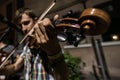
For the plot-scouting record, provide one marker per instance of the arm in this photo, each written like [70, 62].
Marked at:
[53, 50]
[12, 68]
[61, 71]
[46, 38]
[60, 68]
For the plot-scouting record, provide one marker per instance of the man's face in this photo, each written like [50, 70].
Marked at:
[26, 23]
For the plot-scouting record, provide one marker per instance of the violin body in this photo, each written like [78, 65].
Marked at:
[3, 56]
[4, 53]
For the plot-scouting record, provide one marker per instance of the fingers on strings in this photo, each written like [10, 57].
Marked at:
[40, 33]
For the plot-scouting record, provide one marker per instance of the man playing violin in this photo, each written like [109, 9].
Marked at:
[41, 56]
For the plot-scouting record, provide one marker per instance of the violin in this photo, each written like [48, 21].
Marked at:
[3, 56]
[4, 52]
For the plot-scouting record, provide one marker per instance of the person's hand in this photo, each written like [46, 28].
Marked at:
[45, 36]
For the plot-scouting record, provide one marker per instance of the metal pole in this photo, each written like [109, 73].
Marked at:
[101, 62]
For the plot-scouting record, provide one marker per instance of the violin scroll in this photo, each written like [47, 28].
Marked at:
[94, 21]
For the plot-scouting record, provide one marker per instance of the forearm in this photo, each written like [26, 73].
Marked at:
[6, 70]
[59, 66]
[61, 71]
[12, 68]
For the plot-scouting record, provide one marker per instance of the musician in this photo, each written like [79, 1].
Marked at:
[41, 54]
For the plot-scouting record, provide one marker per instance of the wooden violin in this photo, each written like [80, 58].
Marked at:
[4, 52]
[3, 56]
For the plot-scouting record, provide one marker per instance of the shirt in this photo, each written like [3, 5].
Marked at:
[33, 66]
